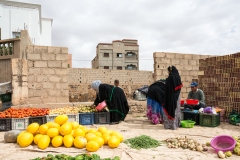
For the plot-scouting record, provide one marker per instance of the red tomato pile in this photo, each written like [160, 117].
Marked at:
[24, 112]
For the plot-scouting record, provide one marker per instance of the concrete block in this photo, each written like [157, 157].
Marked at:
[48, 56]
[61, 85]
[35, 100]
[65, 78]
[34, 56]
[30, 49]
[195, 67]
[183, 62]
[42, 78]
[30, 64]
[53, 78]
[62, 99]
[31, 78]
[64, 64]
[64, 50]
[196, 57]
[61, 71]
[166, 60]
[189, 78]
[175, 61]
[188, 68]
[34, 71]
[40, 49]
[192, 62]
[33, 85]
[25, 79]
[204, 56]
[62, 57]
[50, 99]
[188, 89]
[65, 93]
[48, 71]
[159, 54]
[41, 64]
[55, 64]
[54, 93]
[40, 93]
[159, 72]
[179, 56]
[170, 55]
[179, 67]
[187, 56]
[184, 95]
[30, 93]
[55, 50]
[47, 85]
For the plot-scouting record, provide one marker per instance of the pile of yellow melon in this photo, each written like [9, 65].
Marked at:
[61, 132]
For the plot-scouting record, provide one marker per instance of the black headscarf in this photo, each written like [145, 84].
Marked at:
[156, 91]
[172, 91]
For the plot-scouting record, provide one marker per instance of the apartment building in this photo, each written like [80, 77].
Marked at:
[118, 55]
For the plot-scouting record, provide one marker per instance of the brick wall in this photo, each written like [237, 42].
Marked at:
[47, 74]
[187, 65]
[220, 80]
[80, 80]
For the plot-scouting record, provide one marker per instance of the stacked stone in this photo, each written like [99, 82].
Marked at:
[220, 80]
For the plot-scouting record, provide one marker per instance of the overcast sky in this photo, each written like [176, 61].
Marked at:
[182, 26]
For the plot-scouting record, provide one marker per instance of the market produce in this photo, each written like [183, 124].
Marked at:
[69, 134]
[11, 136]
[237, 146]
[86, 109]
[142, 141]
[185, 142]
[77, 157]
[24, 112]
[221, 154]
[65, 110]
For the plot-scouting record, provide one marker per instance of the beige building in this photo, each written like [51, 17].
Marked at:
[118, 55]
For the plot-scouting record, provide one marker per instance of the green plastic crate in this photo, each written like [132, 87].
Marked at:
[209, 120]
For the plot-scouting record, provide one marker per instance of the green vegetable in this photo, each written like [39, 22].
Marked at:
[142, 141]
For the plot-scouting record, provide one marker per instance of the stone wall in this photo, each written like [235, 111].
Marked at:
[47, 74]
[6, 70]
[187, 65]
[80, 80]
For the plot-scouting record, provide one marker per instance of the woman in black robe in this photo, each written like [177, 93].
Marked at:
[171, 107]
[155, 100]
[115, 99]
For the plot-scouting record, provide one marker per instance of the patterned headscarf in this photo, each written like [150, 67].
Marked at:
[95, 85]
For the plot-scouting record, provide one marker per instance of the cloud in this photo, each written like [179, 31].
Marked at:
[190, 26]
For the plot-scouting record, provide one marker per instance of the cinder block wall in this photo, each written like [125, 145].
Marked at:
[47, 74]
[220, 81]
[80, 81]
[187, 65]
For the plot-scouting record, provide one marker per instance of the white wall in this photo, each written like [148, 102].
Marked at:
[15, 19]
[46, 36]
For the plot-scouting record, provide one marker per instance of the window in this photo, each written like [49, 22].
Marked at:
[106, 55]
[119, 55]
[129, 54]
[106, 67]
[15, 34]
[119, 67]
[129, 66]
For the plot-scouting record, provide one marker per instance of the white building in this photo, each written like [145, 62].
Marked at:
[17, 16]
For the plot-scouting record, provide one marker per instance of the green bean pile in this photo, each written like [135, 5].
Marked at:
[142, 141]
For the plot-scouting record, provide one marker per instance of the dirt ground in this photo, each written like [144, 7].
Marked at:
[134, 125]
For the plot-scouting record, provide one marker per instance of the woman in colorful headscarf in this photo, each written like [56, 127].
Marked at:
[172, 111]
[115, 99]
[155, 100]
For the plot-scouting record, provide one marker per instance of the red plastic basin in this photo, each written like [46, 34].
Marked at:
[223, 143]
[192, 101]
[101, 106]
[182, 102]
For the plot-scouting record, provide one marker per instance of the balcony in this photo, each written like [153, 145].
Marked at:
[131, 56]
[9, 48]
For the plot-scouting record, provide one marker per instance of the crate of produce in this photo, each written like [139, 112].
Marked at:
[86, 118]
[209, 120]
[51, 117]
[73, 117]
[5, 124]
[20, 123]
[191, 115]
[101, 117]
[39, 119]
[6, 97]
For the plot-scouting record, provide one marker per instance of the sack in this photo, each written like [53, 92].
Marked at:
[234, 117]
